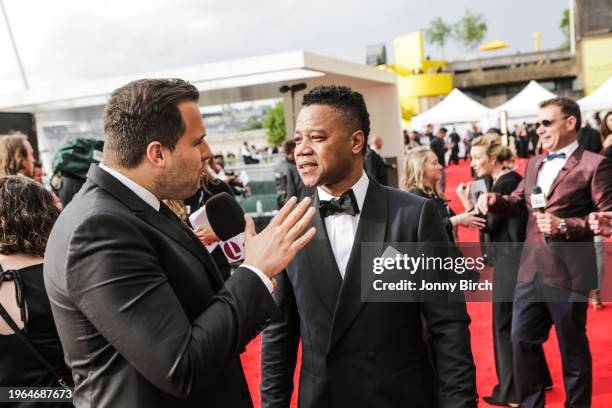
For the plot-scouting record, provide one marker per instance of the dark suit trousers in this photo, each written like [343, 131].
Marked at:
[531, 323]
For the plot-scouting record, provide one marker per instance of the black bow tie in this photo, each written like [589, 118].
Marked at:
[552, 156]
[347, 203]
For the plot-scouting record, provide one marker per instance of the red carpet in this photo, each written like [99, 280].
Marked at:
[482, 342]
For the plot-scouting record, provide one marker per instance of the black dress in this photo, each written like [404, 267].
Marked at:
[19, 367]
[445, 211]
[197, 201]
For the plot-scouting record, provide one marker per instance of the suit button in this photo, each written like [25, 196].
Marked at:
[371, 355]
[245, 390]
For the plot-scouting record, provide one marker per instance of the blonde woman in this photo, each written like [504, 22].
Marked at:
[422, 176]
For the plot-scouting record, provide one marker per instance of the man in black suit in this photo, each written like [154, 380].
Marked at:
[455, 139]
[144, 316]
[358, 354]
[288, 181]
[373, 163]
[439, 148]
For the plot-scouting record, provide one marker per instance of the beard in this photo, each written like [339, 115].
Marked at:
[178, 183]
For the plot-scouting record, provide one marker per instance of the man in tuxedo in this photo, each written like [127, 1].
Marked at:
[557, 267]
[373, 163]
[358, 354]
[144, 316]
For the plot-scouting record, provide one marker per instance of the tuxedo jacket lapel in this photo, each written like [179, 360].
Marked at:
[571, 162]
[319, 255]
[162, 223]
[372, 229]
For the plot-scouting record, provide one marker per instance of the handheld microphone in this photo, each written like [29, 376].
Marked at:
[226, 219]
[538, 202]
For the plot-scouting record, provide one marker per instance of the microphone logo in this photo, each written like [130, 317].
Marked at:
[232, 250]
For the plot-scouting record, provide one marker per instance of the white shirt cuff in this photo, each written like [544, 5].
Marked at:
[264, 278]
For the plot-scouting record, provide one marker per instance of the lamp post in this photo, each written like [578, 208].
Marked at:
[293, 89]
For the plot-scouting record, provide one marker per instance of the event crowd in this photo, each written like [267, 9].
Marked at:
[38, 349]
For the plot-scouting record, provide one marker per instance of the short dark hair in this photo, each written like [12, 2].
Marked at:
[568, 107]
[443, 130]
[141, 112]
[345, 101]
[27, 214]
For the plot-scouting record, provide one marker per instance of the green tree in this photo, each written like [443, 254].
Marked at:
[275, 124]
[438, 32]
[470, 30]
[254, 125]
[564, 26]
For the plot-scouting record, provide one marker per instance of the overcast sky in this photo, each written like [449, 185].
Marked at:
[69, 40]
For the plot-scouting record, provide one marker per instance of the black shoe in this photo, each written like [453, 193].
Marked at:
[492, 401]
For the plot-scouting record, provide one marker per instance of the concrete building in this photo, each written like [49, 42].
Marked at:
[76, 108]
[573, 72]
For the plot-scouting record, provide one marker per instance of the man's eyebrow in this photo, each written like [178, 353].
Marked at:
[311, 130]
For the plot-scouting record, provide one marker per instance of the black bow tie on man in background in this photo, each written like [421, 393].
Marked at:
[347, 204]
[553, 156]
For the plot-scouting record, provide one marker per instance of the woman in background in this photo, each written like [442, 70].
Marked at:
[209, 187]
[606, 134]
[422, 177]
[605, 131]
[490, 158]
[27, 214]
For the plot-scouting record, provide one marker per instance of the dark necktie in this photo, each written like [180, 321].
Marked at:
[346, 204]
[167, 212]
[553, 156]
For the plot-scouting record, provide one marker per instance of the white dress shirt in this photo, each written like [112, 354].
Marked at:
[149, 198]
[551, 168]
[341, 228]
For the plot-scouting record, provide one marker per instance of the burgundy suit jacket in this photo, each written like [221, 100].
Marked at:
[583, 185]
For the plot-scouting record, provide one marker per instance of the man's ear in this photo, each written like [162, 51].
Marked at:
[571, 123]
[358, 141]
[156, 154]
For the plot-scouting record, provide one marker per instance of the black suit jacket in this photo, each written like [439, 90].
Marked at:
[142, 312]
[357, 354]
[375, 166]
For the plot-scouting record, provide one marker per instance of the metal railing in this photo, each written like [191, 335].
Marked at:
[509, 60]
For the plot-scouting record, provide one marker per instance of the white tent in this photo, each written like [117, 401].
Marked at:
[455, 108]
[600, 99]
[524, 105]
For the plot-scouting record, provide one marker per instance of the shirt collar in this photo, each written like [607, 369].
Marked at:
[360, 188]
[569, 149]
[147, 196]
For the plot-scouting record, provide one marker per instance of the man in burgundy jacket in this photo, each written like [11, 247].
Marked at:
[558, 261]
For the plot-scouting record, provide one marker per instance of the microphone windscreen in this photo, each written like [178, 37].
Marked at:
[225, 216]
